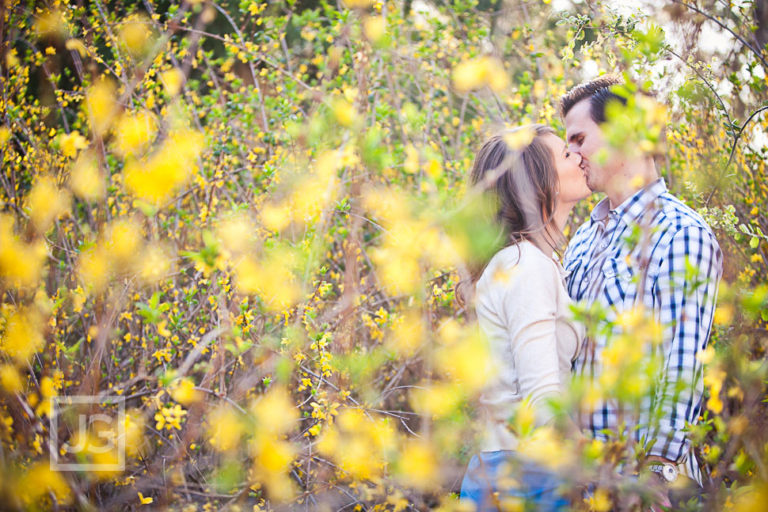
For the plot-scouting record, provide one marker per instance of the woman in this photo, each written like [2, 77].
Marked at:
[522, 304]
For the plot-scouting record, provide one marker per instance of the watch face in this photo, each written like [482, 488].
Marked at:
[669, 472]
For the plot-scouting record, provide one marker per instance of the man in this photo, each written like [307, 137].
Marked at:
[609, 264]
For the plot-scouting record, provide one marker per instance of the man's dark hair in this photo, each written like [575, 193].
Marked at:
[598, 91]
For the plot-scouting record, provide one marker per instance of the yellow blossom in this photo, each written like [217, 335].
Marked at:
[478, 72]
[172, 79]
[51, 22]
[76, 45]
[344, 112]
[275, 412]
[123, 239]
[10, 379]
[158, 177]
[155, 263]
[5, 135]
[23, 336]
[184, 392]
[71, 143]
[38, 481]
[86, 179]
[271, 279]
[94, 268]
[134, 132]
[135, 35]
[374, 28]
[101, 105]
[418, 465]
[519, 138]
[357, 4]
[224, 428]
[134, 424]
[169, 417]
[21, 264]
[46, 203]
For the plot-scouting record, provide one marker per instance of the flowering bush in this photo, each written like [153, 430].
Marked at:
[243, 224]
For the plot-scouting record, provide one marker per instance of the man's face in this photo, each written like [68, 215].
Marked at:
[585, 138]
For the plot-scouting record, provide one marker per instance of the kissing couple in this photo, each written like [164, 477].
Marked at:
[522, 297]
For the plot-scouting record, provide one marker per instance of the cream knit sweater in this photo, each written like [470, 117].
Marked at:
[522, 308]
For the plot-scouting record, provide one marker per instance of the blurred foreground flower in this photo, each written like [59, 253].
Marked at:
[478, 72]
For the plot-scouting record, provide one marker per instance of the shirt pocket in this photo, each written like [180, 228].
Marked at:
[620, 282]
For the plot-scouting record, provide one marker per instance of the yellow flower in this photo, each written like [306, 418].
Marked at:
[5, 135]
[519, 138]
[172, 79]
[407, 333]
[51, 23]
[86, 179]
[134, 432]
[21, 264]
[94, 268]
[275, 412]
[478, 72]
[271, 461]
[418, 464]
[145, 501]
[344, 112]
[169, 417]
[436, 400]
[135, 35]
[47, 391]
[77, 45]
[134, 132]
[101, 105]
[713, 378]
[374, 28]
[411, 164]
[23, 336]
[155, 263]
[272, 279]
[225, 428]
[123, 239]
[46, 203]
[275, 217]
[40, 480]
[10, 379]
[599, 502]
[157, 178]
[235, 232]
[467, 361]
[357, 4]
[184, 392]
[71, 143]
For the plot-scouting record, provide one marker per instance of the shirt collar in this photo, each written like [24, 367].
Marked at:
[632, 207]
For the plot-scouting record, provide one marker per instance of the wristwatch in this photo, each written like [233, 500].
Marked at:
[667, 472]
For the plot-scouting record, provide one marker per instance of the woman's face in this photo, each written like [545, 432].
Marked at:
[573, 183]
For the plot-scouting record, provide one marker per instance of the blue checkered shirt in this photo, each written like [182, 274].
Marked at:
[606, 261]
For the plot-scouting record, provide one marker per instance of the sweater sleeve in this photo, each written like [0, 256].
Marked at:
[529, 305]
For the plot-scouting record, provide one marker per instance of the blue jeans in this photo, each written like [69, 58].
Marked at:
[490, 472]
